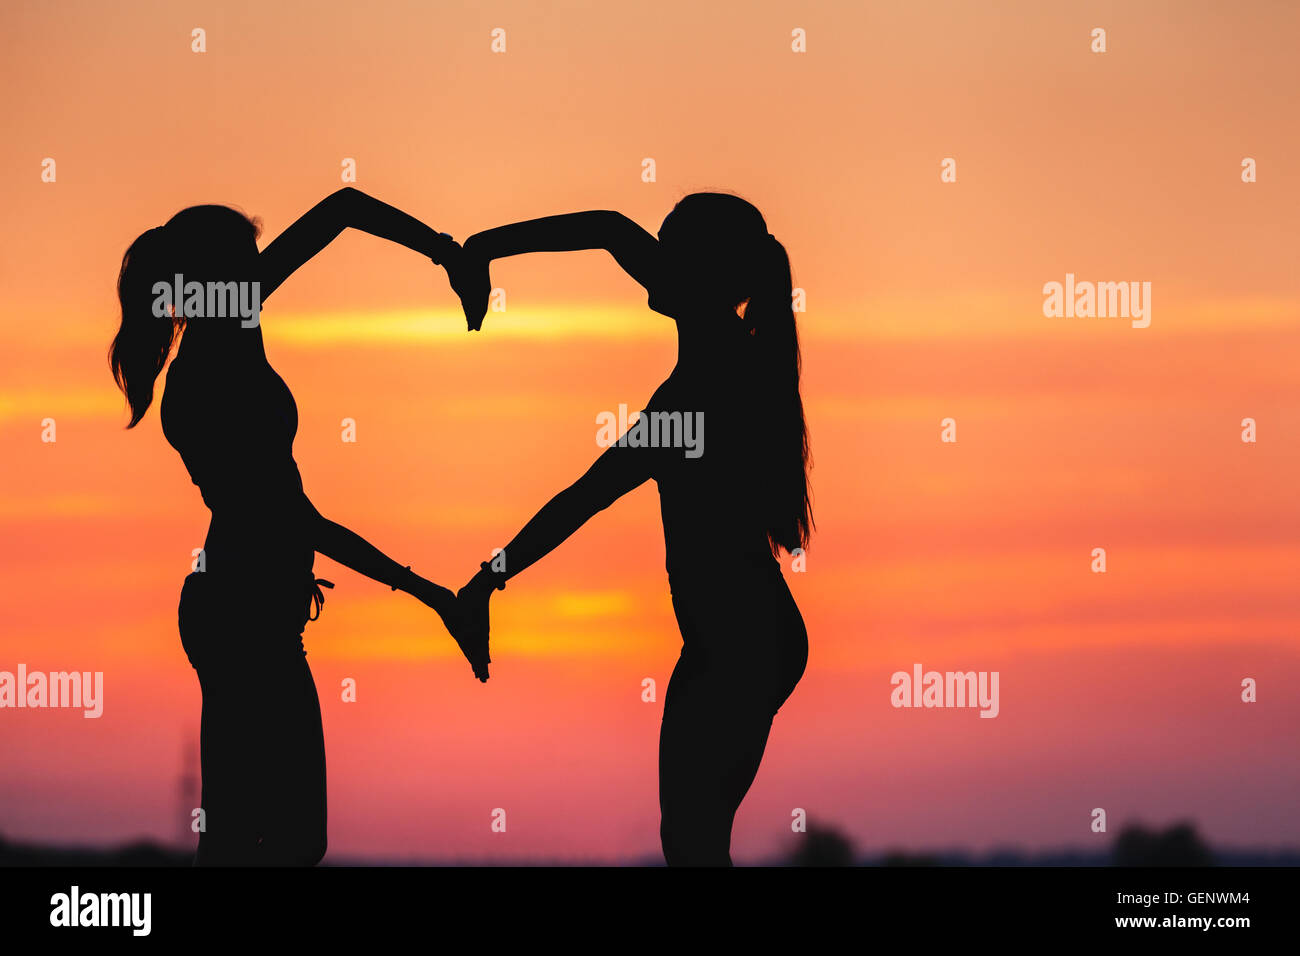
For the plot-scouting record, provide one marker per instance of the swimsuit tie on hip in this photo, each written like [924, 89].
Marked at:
[318, 597]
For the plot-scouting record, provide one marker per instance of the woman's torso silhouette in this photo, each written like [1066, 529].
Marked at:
[235, 434]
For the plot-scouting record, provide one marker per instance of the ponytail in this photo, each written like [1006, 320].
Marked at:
[769, 315]
[144, 340]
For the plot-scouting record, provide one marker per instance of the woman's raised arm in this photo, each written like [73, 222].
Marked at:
[321, 224]
[631, 246]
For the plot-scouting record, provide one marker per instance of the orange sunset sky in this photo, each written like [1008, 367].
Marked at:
[924, 301]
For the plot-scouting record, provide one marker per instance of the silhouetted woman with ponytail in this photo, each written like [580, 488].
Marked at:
[727, 512]
[233, 421]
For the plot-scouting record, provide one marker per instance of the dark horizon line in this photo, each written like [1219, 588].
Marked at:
[147, 852]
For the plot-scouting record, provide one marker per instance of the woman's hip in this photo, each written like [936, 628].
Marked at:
[743, 660]
[755, 616]
[223, 621]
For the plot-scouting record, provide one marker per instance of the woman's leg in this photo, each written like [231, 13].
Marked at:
[229, 800]
[263, 754]
[710, 747]
[718, 714]
[294, 830]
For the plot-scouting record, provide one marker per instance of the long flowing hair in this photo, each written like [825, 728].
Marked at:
[748, 268]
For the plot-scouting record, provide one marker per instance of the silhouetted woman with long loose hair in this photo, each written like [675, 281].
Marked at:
[233, 421]
[727, 513]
